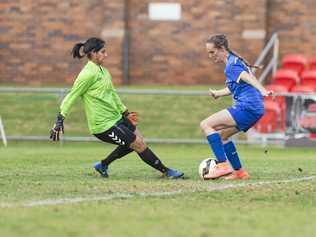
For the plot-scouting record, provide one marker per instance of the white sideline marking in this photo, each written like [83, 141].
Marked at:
[63, 201]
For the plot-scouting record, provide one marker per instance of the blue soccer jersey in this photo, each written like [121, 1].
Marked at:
[245, 95]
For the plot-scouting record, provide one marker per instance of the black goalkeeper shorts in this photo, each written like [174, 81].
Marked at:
[122, 133]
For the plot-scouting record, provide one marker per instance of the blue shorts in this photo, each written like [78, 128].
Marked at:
[244, 118]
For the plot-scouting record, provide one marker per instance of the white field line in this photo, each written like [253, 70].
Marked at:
[212, 188]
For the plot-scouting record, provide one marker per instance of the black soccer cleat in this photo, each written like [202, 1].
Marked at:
[174, 174]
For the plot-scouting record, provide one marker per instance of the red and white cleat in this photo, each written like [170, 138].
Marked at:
[238, 174]
[220, 170]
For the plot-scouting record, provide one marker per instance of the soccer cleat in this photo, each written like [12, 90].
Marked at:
[238, 174]
[102, 169]
[173, 174]
[220, 170]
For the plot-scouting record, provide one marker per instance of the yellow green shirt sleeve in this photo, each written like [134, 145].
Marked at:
[80, 87]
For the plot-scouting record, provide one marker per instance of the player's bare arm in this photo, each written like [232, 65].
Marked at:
[219, 93]
[250, 79]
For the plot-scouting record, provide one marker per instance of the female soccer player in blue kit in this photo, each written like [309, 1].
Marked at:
[248, 108]
[108, 119]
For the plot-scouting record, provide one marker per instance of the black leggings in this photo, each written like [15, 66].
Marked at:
[122, 133]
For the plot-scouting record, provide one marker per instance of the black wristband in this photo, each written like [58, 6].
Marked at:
[60, 117]
[125, 113]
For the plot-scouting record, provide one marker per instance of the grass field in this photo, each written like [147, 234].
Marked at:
[136, 201]
[176, 116]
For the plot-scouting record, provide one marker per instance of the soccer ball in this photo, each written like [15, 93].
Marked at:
[206, 167]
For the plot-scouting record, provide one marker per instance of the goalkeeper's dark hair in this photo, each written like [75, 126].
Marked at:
[91, 45]
[220, 41]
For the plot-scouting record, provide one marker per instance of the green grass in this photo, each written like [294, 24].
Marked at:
[32, 171]
[161, 116]
[35, 171]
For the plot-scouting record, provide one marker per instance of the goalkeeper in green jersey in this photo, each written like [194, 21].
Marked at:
[108, 118]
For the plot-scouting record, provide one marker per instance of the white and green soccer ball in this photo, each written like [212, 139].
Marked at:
[207, 166]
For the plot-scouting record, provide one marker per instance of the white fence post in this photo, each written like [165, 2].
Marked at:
[2, 133]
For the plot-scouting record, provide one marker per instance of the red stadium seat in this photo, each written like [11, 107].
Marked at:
[308, 122]
[303, 89]
[312, 108]
[269, 122]
[308, 78]
[295, 62]
[277, 88]
[265, 124]
[286, 78]
[280, 100]
[312, 63]
[312, 136]
[273, 106]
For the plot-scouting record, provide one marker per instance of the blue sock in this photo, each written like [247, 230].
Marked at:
[216, 144]
[232, 155]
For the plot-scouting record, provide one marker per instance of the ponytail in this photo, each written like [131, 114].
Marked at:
[244, 60]
[76, 50]
[91, 45]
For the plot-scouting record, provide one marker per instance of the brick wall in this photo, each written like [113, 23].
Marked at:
[296, 23]
[173, 52]
[36, 37]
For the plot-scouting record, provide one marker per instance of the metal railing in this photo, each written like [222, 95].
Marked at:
[272, 64]
[294, 110]
[252, 138]
[61, 92]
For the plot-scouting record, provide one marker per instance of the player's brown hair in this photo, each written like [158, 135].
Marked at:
[221, 41]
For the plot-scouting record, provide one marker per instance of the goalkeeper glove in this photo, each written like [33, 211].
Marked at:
[131, 116]
[58, 127]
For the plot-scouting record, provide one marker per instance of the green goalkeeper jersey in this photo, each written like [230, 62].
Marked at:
[102, 104]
